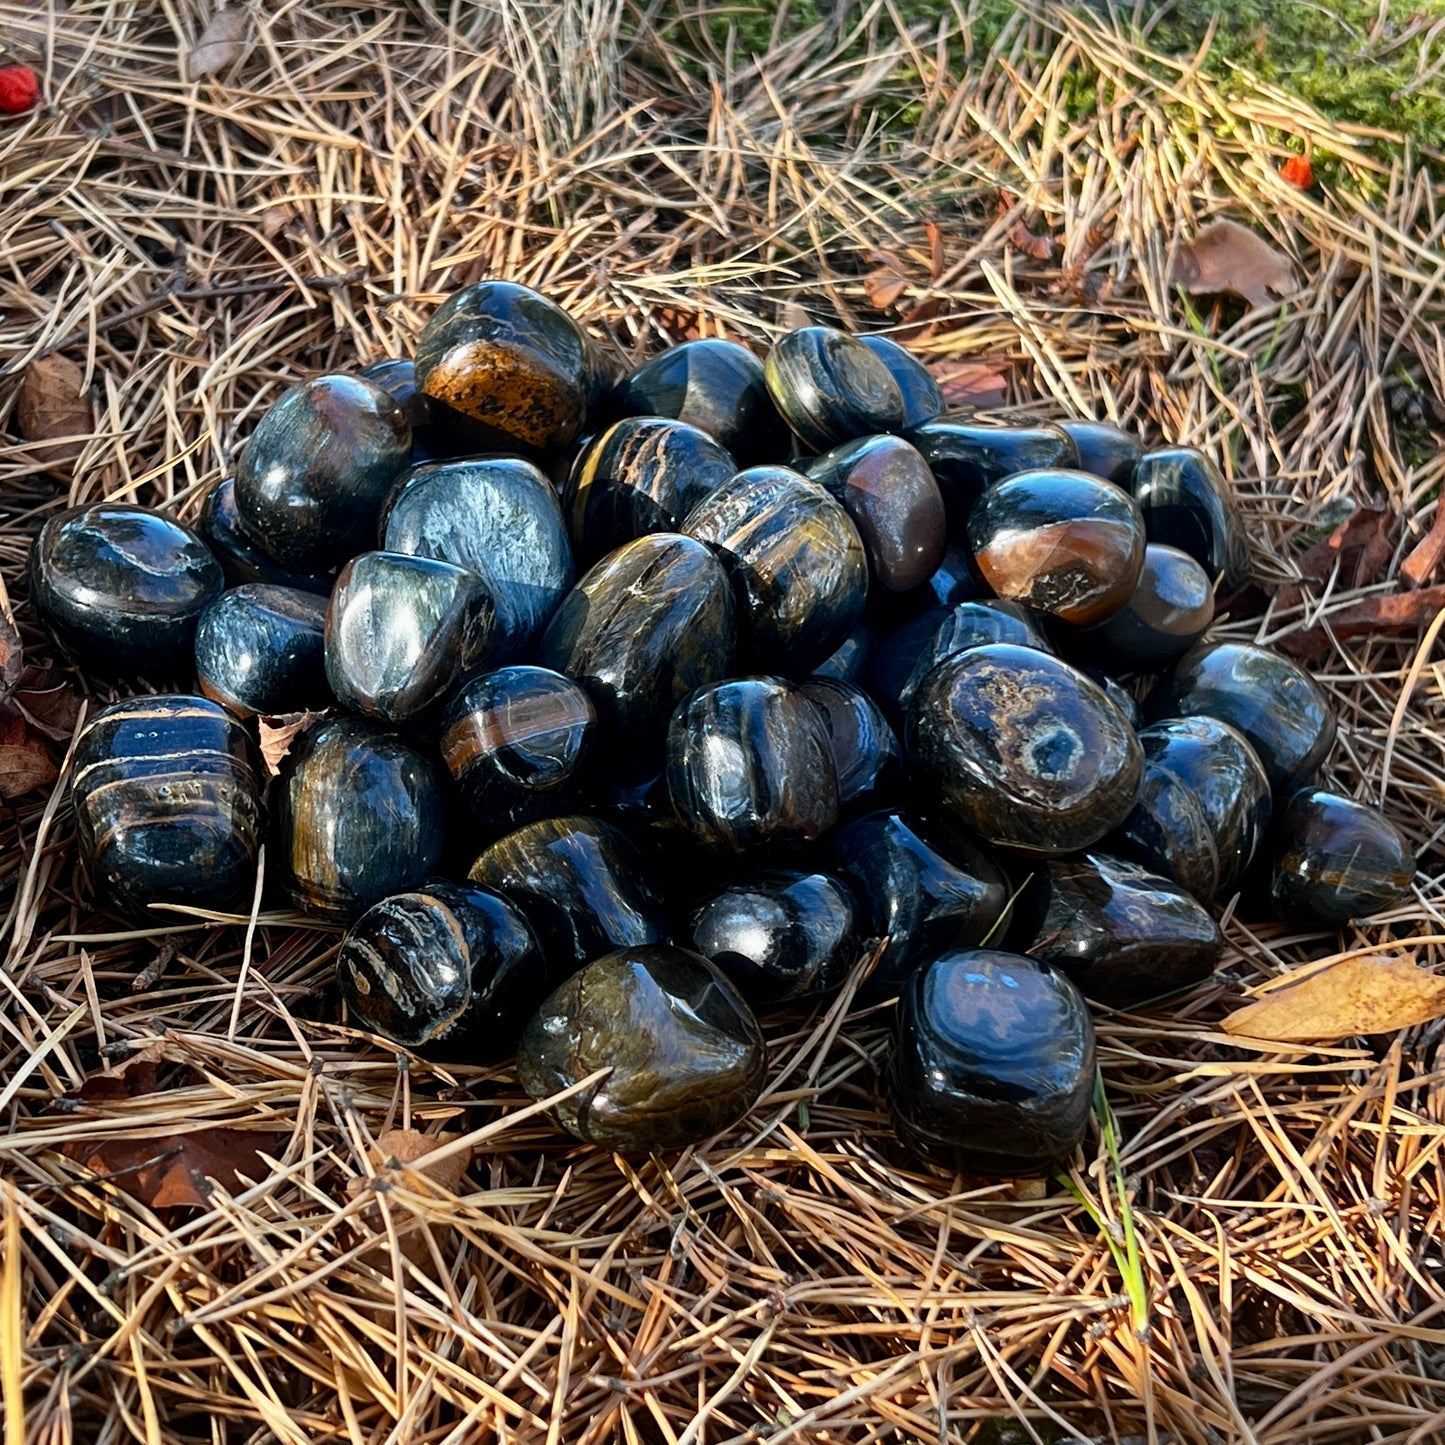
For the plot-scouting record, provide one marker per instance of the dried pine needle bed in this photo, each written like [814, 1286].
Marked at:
[1248, 1247]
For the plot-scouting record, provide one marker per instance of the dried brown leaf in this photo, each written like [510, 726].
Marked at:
[936, 258]
[222, 43]
[177, 1169]
[278, 733]
[1229, 259]
[48, 702]
[25, 761]
[1426, 555]
[1031, 243]
[1387, 612]
[54, 407]
[12, 662]
[1372, 995]
[399, 1156]
[967, 384]
[883, 287]
[1358, 550]
[131, 1079]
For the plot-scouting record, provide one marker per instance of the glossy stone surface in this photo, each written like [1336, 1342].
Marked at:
[749, 766]
[867, 755]
[359, 816]
[1217, 764]
[888, 491]
[401, 631]
[1117, 694]
[1336, 860]
[516, 365]
[582, 885]
[778, 935]
[1169, 610]
[643, 474]
[797, 566]
[121, 588]
[850, 662]
[685, 1054]
[1187, 503]
[966, 457]
[167, 799]
[1122, 934]
[922, 400]
[431, 438]
[993, 1064]
[500, 518]
[240, 558]
[1061, 542]
[829, 387]
[517, 741]
[1024, 749]
[1104, 449]
[260, 649]
[908, 654]
[644, 627]
[1170, 834]
[715, 385]
[452, 970]
[1274, 702]
[924, 884]
[318, 466]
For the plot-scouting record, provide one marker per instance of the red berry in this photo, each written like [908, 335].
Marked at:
[19, 89]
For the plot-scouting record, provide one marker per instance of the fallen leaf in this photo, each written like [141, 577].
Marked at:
[1356, 552]
[12, 663]
[128, 1080]
[1389, 612]
[25, 761]
[934, 232]
[1298, 172]
[1226, 258]
[1426, 555]
[969, 384]
[48, 702]
[54, 407]
[1371, 995]
[1031, 243]
[177, 1168]
[221, 45]
[883, 287]
[792, 317]
[278, 733]
[399, 1156]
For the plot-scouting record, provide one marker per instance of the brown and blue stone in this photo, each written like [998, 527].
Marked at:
[121, 588]
[829, 387]
[167, 799]
[1024, 749]
[1170, 834]
[518, 741]
[644, 627]
[684, 1055]
[992, 1069]
[261, 649]
[866, 752]
[797, 565]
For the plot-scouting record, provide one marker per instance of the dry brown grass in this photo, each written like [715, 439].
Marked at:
[1266, 1266]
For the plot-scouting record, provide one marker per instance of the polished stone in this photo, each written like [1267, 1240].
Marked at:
[922, 400]
[1187, 504]
[829, 387]
[261, 649]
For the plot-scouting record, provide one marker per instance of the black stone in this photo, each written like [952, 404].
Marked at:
[829, 387]
[1024, 749]
[749, 766]
[993, 1065]
[582, 884]
[1187, 504]
[797, 566]
[260, 649]
[121, 588]
[850, 662]
[778, 935]
[401, 631]
[867, 755]
[317, 468]
[1169, 833]
[925, 885]
[167, 799]
[1122, 934]
[966, 457]
[1274, 702]
[648, 624]
[360, 815]
[685, 1055]
[1336, 860]
[242, 559]
[451, 970]
[1104, 449]
[922, 400]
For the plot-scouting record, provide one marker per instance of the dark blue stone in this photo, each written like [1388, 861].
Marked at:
[260, 649]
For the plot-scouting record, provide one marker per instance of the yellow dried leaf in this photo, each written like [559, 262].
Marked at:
[221, 45]
[1226, 258]
[54, 406]
[398, 1156]
[1370, 995]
